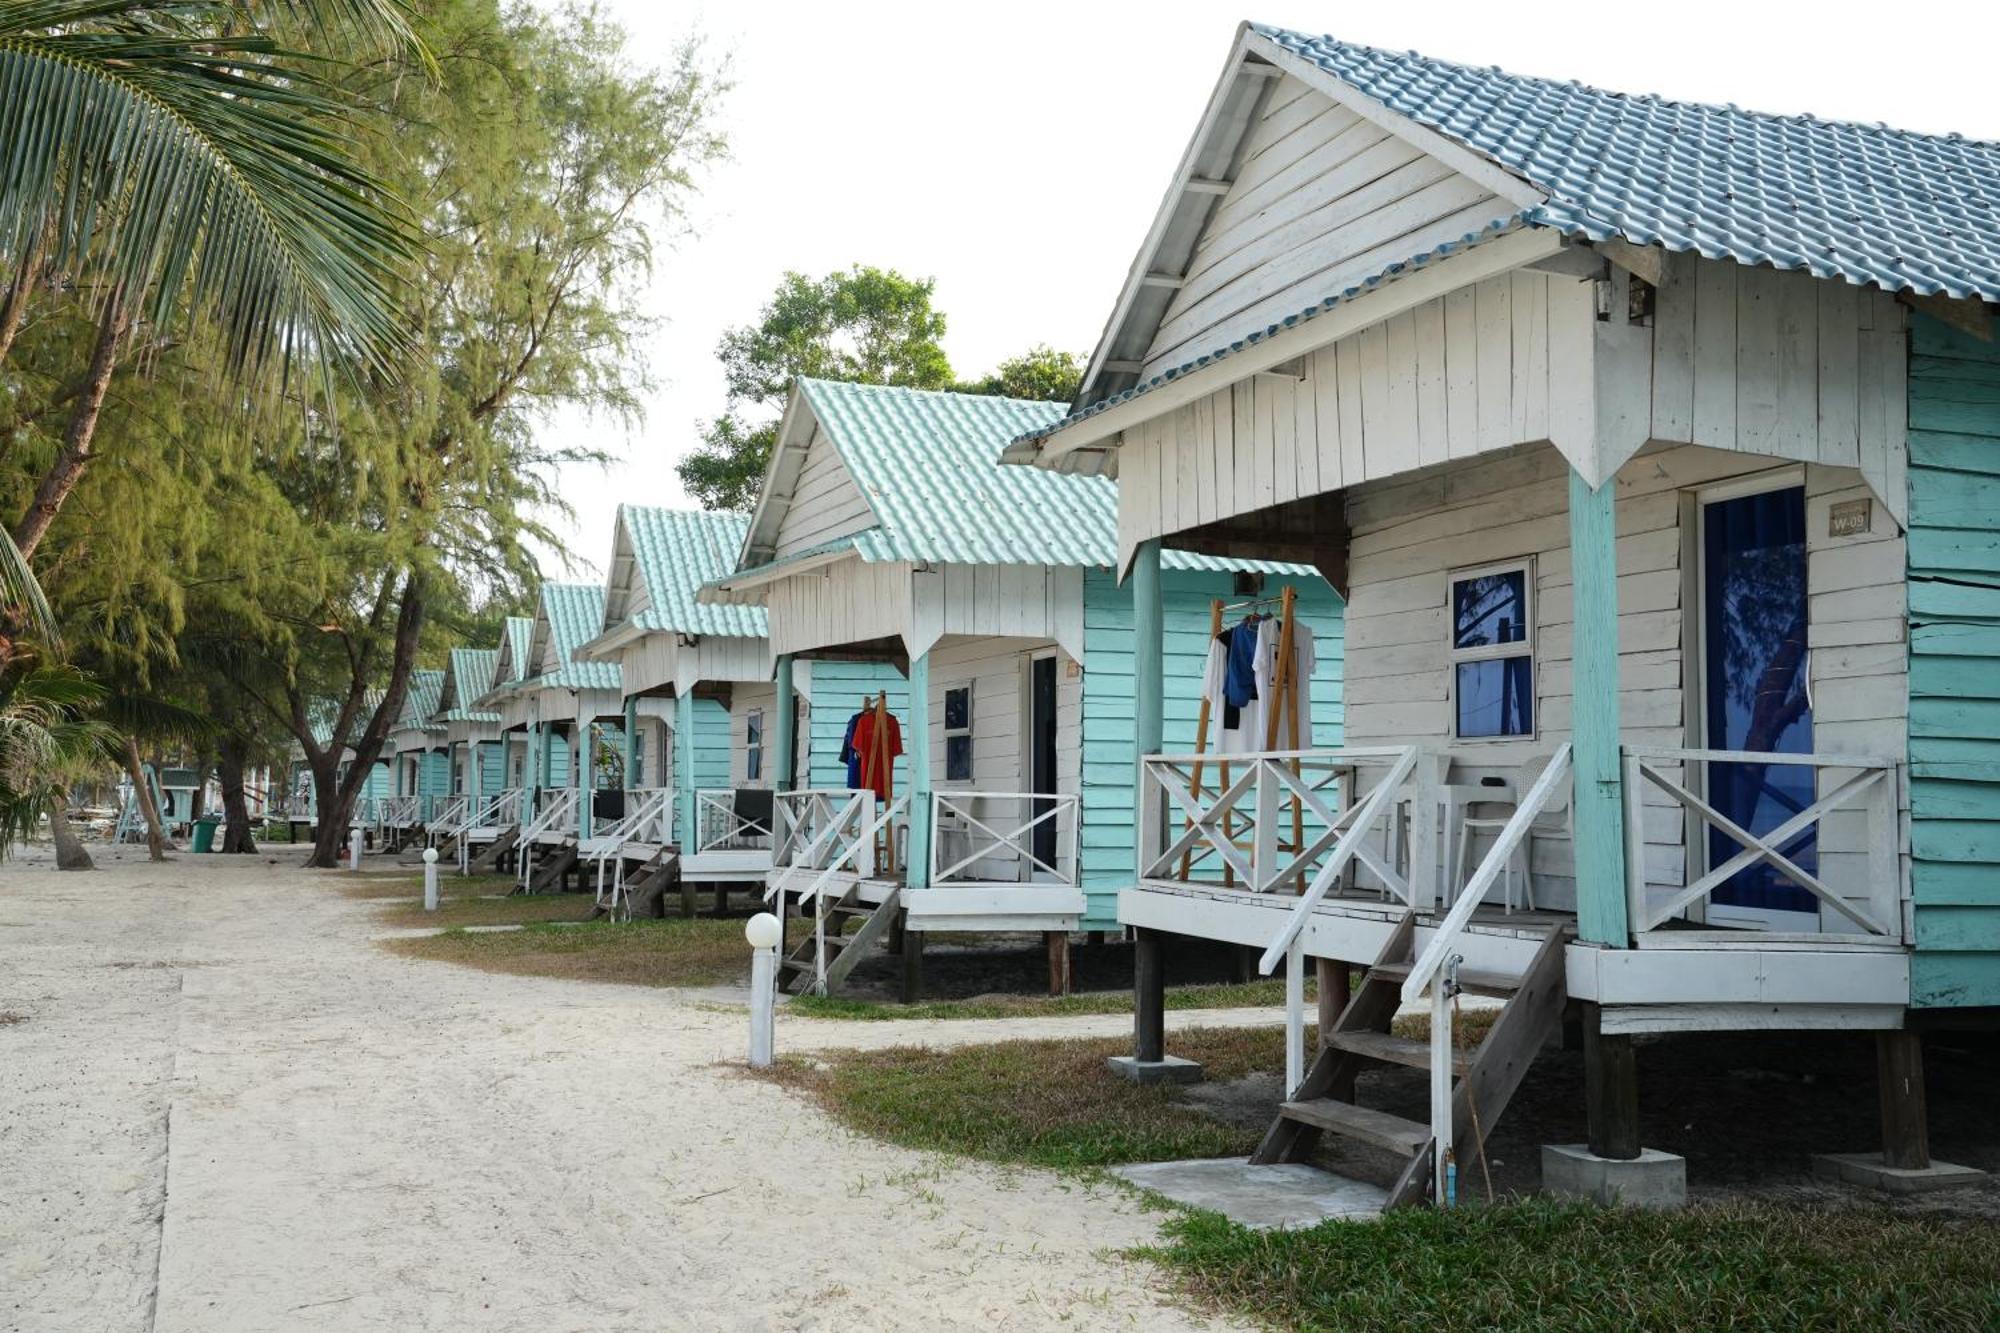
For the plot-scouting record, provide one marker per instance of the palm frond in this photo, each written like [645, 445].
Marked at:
[19, 588]
[188, 165]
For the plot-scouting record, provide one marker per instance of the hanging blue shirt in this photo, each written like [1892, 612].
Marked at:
[851, 756]
[1239, 681]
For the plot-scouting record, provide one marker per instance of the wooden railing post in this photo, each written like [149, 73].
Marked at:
[1602, 882]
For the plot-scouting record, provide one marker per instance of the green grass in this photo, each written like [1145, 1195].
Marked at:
[1045, 1103]
[1245, 996]
[492, 905]
[1535, 1264]
[675, 952]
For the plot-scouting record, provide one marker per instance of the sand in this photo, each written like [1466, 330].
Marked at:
[222, 1107]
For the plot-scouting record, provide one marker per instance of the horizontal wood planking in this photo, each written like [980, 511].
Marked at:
[837, 690]
[1780, 366]
[1954, 599]
[1109, 763]
[825, 502]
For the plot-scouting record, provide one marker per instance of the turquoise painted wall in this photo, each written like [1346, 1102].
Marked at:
[837, 691]
[434, 774]
[493, 762]
[1954, 555]
[381, 780]
[711, 744]
[1109, 764]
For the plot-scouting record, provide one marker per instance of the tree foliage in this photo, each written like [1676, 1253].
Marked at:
[863, 325]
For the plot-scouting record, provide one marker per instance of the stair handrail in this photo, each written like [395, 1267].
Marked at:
[611, 839]
[811, 856]
[558, 802]
[1444, 937]
[865, 838]
[1360, 827]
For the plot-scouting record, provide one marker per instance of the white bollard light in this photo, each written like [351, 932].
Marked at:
[430, 879]
[764, 933]
[354, 836]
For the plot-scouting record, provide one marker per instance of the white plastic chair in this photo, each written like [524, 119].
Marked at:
[1555, 819]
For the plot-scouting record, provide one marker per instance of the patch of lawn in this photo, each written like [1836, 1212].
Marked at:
[481, 908]
[1047, 1103]
[1537, 1264]
[403, 884]
[675, 952]
[1250, 995]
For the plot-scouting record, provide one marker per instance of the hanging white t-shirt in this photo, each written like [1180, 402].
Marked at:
[1247, 736]
[1264, 668]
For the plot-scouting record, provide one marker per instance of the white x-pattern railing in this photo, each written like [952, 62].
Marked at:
[719, 828]
[845, 845]
[1864, 784]
[979, 838]
[399, 811]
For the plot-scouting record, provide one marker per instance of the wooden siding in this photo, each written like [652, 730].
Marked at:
[836, 691]
[844, 603]
[745, 700]
[434, 774]
[824, 504]
[1109, 764]
[1322, 201]
[1779, 365]
[1954, 589]
[1022, 601]
[1408, 533]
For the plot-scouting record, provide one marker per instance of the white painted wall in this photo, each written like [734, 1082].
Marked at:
[825, 502]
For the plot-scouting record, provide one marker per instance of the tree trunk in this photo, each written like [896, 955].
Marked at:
[157, 845]
[235, 809]
[16, 304]
[331, 806]
[70, 851]
[75, 454]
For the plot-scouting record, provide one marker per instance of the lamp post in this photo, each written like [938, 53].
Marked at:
[764, 933]
[430, 879]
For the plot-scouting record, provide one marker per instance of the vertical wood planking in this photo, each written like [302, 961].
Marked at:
[1839, 349]
[1433, 437]
[1373, 386]
[1305, 433]
[1353, 430]
[1461, 371]
[1673, 349]
[1715, 355]
[1494, 308]
[1530, 306]
[1401, 422]
[1795, 431]
[1326, 415]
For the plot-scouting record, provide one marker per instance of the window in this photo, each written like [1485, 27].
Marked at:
[958, 733]
[753, 745]
[1492, 652]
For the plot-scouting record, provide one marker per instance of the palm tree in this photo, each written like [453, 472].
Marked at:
[172, 161]
[47, 738]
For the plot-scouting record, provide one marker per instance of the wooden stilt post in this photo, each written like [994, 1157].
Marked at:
[913, 962]
[1058, 945]
[1610, 1088]
[784, 729]
[687, 800]
[1149, 997]
[1899, 1072]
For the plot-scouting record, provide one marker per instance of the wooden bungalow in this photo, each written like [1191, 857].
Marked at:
[417, 752]
[887, 532]
[1661, 483]
[476, 755]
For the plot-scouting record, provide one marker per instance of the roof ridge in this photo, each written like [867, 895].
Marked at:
[1276, 32]
[927, 393]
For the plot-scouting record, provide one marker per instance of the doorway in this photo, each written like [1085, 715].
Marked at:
[1756, 692]
[1042, 778]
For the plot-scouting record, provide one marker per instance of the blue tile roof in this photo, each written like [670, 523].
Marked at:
[420, 700]
[1864, 204]
[468, 674]
[574, 615]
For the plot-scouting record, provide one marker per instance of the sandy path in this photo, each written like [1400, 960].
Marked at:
[227, 1110]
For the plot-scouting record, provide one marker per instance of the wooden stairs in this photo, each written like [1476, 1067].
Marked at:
[647, 885]
[797, 972]
[1486, 1075]
[487, 861]
[553, 867]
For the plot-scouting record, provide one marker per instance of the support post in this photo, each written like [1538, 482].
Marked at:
[917, 743]
[583, 762]
[913, 961]
[1610, 1089]
[531, 772]
[686, 799]
[1149, 997]
[784, 730]
[1598, 802]
[634, 756]
[1149, 719]
[1899, 1071]
[1058, 946]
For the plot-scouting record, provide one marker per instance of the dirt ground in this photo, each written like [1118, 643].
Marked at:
[226, 1108]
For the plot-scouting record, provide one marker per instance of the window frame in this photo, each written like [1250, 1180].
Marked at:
[753, 744]
[1525, 646]
[968, 730]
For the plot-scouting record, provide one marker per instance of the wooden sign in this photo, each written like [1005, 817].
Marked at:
[1850, 518]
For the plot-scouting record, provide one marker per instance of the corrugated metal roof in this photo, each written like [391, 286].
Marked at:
[420, 700]
[1865, 204]
[929, 463]
[468, 674]
[518, 635]
[573, 613]
[678, 550]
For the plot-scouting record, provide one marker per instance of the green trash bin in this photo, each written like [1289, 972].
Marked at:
[204, 832]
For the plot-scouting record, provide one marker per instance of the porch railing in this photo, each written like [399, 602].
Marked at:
[556, 814]
[845, 843]
[399, 811]
[647, 818]
[718, 828]
[1292, 818]
[1855, 826]
[448, 819]
[1436, 968]
[809, 824]
[973, 842]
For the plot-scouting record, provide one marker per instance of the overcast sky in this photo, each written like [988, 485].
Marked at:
[1016, 151]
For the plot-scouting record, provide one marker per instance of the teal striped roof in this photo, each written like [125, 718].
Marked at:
[420, 700]
[569, 616]
[675, 552]
[515, 637]
[468, 673]
[929, 464]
